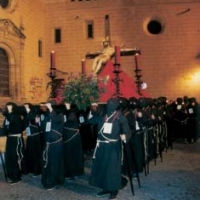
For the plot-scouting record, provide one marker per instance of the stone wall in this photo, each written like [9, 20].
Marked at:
[25, 64]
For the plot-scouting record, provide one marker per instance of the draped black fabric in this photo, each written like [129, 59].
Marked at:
[14, 155]
[52, 163]
[192, 110]
[138, 149]
[88, 134]
[13, 158]
[136, 143]
[73, 153]
[180, 123]
[33, 151]
[106, 167]
[33, 148]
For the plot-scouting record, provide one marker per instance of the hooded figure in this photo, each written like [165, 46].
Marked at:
[52, 160]
[192, 112]
[73, 153]
[133, 103]
[13, 128]
[123, 104]
[112, 106]
[113, 128]
[180, 120]
[33, 151]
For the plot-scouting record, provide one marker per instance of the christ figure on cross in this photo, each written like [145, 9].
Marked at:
[106, 54]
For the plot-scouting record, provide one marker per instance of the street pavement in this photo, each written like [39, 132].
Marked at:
[177, 177]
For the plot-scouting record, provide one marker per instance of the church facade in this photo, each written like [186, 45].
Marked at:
[166, 33]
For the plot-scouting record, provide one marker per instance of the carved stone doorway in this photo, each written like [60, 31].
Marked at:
[11, 61]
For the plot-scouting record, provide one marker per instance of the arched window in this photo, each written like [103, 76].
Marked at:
[4, 73]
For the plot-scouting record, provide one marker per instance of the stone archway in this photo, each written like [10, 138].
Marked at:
[11, 46]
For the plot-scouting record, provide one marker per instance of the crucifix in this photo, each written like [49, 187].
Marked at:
[108, 52]
[107, 40]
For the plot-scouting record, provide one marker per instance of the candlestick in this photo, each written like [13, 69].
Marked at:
[138, 73]
[83, 66]
[52, 60]
[117, 55]
[52, 72]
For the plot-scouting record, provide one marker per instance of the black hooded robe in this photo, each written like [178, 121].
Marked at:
[73, 152]
[33, 150]
[52, 161]
[14, 155]
[107, 158]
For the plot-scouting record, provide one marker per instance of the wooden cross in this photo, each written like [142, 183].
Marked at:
[124, 52]
[107, 29]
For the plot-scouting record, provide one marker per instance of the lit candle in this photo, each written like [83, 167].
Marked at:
[117, 55]
[53, 66]
[52, 60]
[83, 66]
[137, 61]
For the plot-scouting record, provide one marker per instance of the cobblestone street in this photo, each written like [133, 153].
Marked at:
[176, 178]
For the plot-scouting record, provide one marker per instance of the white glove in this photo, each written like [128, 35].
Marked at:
[9, 107]
[27, 108]
[67, 105]
[123, 138]
[139, 114]
[48, 105]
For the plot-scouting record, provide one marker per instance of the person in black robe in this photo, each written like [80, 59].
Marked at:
[52, 160]
[180, 120]
[33, 150]
[129, 166]
[137, 136]
[192, 111]
[14, 155]
[73, 152]
[113, 128]
[143, 117]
